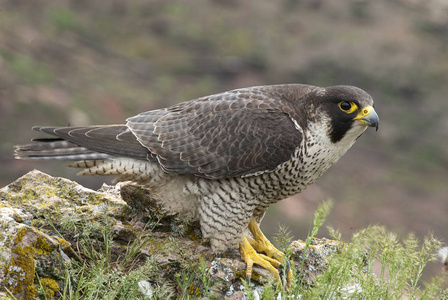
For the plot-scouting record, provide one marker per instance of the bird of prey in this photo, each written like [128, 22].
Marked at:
[222, 159]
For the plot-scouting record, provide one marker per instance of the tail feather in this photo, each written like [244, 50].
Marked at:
[56, 149]
[78, 143]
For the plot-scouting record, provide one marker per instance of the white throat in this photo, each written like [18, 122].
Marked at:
[319, 135]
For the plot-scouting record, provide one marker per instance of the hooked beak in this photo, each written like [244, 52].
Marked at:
[368, 117]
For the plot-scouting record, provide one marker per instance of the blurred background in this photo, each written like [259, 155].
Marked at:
[86, 62]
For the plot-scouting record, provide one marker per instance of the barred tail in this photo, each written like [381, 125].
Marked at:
[56, 149]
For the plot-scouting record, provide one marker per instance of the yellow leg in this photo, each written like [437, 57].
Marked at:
[271, 261]
[251, 257]
[262, 244]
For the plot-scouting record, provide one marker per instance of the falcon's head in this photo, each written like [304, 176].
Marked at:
[346, 110]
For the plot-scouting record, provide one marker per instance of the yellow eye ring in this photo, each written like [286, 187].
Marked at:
[347, 107]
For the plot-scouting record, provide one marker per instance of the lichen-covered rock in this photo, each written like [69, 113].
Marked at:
[314, 260]
[26, 254]
[33, 254]
[44, 222]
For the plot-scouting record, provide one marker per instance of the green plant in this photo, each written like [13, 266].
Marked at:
[352, 273]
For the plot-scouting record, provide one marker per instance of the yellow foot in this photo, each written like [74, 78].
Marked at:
[271, 261]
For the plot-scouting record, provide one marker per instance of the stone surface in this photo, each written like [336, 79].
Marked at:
[39, 239]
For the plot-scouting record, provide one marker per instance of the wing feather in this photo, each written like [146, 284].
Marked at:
[230, 134]
[236, 133]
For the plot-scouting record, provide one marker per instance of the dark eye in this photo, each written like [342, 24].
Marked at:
[344, 105]
[347, 107]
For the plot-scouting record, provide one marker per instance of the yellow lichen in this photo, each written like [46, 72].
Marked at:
[20, 234]
[50, 287]
[31, 292]
[17, 218]
[192, 235]
[63, 243]
[191, 289]
[21, 269]
[42, 246]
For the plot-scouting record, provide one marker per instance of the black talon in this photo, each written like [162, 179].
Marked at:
[288, 266]
[284, 272]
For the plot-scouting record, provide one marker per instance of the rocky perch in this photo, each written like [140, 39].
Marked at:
[51, 228]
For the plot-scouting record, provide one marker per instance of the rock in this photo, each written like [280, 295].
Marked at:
[315, 259]
[33, 252]
[45, 223]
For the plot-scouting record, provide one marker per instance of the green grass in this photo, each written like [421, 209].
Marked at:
[351, 275]
[95, 273]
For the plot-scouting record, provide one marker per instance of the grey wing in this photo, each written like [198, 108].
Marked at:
[225, 135]
[235, 133]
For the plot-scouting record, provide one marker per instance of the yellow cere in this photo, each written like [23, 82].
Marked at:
[364, 112]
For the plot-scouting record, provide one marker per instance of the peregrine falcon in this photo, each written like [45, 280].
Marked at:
[222, 159]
